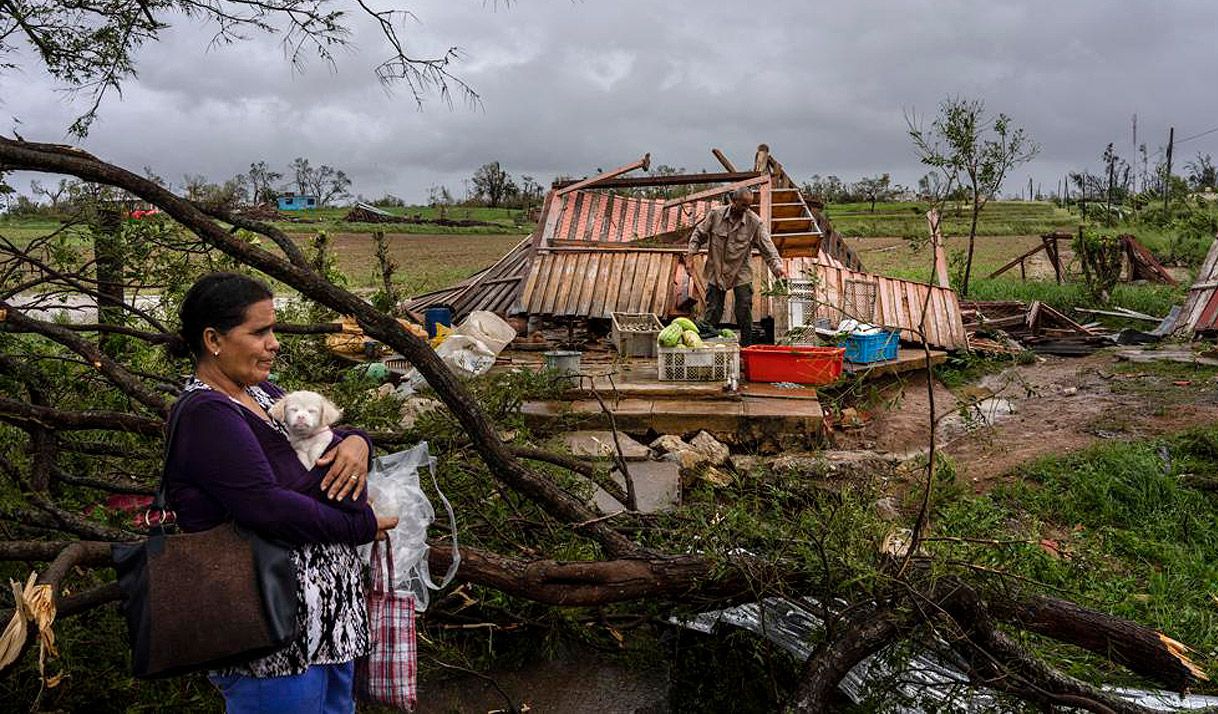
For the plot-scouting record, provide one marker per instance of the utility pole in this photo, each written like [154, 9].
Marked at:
[1171, 139]
[1135, 153]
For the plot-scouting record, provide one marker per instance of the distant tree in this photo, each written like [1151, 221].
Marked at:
[874, 188]
[261, 180]
[388, 201]
[303, 174]
[829, 189]
[492, 184]
[330, 185]
[54, 195]
[228, 195]
[531, 192]
[1201, 173]
[963, 142]
[195, 186]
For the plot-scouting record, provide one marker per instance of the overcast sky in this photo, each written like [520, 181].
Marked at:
[569, 87]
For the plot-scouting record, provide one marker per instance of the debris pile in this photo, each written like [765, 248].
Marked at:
[1012, 326]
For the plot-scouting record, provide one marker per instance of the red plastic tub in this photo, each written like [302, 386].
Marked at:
[792, 363]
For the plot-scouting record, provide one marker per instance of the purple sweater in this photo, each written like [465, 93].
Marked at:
[228, 464]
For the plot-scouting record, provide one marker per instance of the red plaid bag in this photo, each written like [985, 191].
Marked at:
[387, 674]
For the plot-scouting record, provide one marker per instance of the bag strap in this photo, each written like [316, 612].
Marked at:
[158, 504]
[452, 523]
[382, 554]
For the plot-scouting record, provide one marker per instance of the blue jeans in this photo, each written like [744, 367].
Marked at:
[322, 689]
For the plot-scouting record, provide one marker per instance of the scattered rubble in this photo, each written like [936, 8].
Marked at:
[600, 445]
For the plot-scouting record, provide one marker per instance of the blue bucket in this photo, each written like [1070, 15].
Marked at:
[440, 315]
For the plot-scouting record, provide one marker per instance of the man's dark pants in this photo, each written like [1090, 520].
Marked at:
[743, 297]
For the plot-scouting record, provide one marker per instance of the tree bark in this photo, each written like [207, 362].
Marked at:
[592, 583]
[864, 633]
[1141, 649]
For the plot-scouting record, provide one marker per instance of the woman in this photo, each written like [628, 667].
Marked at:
[230, 461]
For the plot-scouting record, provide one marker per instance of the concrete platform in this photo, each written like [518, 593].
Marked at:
[739, 419]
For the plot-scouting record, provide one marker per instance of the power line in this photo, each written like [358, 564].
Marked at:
[1197, 136]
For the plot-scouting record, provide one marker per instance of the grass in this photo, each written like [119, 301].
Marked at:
[999, 218]
[1135, 540]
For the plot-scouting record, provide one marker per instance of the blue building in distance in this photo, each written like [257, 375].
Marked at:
[296, 202]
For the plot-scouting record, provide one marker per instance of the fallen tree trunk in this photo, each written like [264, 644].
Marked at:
[1141, 649]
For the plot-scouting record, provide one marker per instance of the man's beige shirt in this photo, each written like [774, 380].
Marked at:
[729, 245]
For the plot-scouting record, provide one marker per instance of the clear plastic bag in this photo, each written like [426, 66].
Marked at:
[394, 490]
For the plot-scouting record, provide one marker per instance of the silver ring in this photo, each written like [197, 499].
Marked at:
[355, 478]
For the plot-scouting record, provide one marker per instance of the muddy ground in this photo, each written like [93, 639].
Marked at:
[1055, 406]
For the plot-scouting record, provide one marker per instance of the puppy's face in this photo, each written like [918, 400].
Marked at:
[304, 413]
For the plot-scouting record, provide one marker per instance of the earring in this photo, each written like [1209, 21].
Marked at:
[216, 353]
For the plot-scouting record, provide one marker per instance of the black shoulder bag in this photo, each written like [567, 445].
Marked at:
[203, 600]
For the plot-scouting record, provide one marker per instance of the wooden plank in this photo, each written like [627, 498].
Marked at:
[530, 284]
[936, 243]
[642, 283]
[915, 309]
[554, 286]
[586, 283]
[659, 282]
[766, 215]
[536, 299]
[578, 282]
[613, 284]
[563, 293]
[596, 305]
[596, 302]
[942, 336]
[542, 301]
[723, 160]
[643, 163]
[664, 291]
[629, 270]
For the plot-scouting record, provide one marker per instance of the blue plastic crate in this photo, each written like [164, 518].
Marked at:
[878, 347]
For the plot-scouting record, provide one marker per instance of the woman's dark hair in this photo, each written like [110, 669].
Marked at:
[218, 301]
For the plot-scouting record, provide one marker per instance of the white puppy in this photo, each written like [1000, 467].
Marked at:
[307, 417]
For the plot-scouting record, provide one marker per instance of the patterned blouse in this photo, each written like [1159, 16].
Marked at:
[332, 620]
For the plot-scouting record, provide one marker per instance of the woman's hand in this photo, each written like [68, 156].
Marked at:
[384, 524]
[348, 472]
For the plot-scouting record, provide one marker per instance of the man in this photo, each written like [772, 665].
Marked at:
[731, 233]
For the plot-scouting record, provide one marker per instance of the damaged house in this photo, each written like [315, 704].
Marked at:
[605, 244]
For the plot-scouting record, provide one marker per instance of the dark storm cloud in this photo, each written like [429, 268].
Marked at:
[568, 87]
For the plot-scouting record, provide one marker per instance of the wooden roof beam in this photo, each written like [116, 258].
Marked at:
[643, 163]
[716, 191]
[673, 180]
[723, 160]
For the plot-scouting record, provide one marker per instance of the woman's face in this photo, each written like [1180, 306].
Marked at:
[248, 350]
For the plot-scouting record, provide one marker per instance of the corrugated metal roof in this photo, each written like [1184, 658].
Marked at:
[591, 215]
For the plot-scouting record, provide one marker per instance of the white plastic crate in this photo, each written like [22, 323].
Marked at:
[634, 333]
[716, 362]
